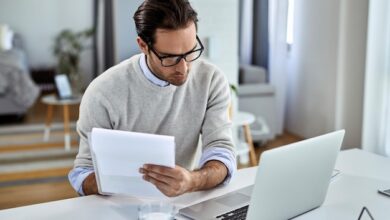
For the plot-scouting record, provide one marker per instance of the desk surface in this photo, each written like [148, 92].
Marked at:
[361, 175]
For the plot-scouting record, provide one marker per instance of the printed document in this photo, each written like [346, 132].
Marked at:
[118, 155]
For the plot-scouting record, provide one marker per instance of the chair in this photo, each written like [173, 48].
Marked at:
[256, 96]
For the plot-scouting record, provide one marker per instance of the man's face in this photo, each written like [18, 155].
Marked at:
[171, 42]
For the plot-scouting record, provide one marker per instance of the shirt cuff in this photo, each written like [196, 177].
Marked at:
[223, 155]
[77, 176]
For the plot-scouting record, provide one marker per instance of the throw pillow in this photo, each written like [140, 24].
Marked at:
[6, 37]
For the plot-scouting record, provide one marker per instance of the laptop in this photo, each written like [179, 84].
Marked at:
[291, 180]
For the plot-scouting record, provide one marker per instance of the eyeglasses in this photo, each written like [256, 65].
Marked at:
[171, 60]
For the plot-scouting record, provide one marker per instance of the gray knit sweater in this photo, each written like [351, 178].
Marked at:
[123, 99]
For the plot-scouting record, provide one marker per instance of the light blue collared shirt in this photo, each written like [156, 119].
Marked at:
[77, 175]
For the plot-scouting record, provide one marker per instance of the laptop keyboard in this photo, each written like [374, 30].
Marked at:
[239, 213]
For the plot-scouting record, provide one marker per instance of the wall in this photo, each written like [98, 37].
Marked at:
[38, 21]
[351, 70]
[326, 69]
[218, 21]
[312, 68]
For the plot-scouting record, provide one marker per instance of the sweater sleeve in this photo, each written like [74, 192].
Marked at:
[217, 127]
[223, 155]
[95, 111]
[77, 176]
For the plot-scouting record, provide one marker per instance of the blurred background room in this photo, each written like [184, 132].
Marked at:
[297, 69]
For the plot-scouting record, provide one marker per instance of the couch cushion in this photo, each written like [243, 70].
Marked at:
[250, 74]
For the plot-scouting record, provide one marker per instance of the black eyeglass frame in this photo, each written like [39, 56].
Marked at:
[179, 56]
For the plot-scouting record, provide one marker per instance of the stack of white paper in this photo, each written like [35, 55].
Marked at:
[118, 155]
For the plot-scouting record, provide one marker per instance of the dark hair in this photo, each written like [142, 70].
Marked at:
[165, 14]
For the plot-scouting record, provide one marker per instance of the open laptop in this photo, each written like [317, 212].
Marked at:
[290, 181]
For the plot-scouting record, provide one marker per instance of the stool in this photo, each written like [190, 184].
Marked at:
[51, 101]
[244, 119]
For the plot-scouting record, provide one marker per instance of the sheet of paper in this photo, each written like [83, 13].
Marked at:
[118, 155]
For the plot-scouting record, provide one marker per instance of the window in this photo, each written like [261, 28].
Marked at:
[290, 24]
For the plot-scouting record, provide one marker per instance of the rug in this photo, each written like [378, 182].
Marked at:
[22, 148]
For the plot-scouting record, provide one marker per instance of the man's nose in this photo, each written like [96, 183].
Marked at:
[182, 66]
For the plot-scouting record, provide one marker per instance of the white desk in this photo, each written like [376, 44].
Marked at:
[362, 174]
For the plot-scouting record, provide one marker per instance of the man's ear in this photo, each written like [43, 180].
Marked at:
[143, 46]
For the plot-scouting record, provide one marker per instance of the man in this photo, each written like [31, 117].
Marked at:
[165, 90]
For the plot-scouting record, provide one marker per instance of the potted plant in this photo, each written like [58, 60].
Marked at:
[68, 46]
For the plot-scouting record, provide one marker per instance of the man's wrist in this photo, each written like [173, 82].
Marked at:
[210, 175]
[196, 177]
[89, 185]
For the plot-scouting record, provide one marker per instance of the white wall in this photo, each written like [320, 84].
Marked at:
[326, 68]
[39, 21]
[351, 70]
[312, 67]
[218, 21]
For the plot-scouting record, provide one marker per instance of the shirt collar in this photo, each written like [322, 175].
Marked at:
[149, 75]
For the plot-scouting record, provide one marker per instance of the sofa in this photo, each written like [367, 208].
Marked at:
[257, 96]
[17, 90]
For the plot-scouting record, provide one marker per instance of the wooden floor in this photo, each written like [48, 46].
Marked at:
[285, 138]
[26, 188]
[29, 193]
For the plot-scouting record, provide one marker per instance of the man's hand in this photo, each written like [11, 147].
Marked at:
[170, 181]
[176, 181]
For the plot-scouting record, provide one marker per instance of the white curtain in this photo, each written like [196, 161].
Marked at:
[376, 122]
[278, 56]
[246, 31]
[385, 126]
[384, 129]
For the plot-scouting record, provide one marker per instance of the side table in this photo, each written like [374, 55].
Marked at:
[51, 101]
[244, 119]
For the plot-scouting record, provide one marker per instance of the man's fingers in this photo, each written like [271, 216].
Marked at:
[163, 187]
[165, 171]
[162, 178]
[153, 180]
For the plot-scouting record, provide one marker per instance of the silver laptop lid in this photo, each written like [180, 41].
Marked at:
[294, 179]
